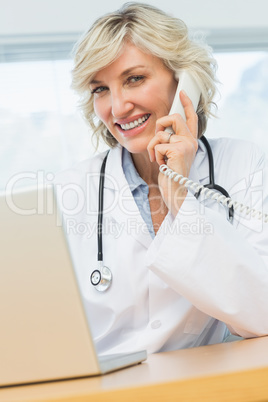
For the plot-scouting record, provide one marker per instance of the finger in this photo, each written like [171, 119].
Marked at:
[190, 114]
[174, 120]
[177, 122]
[163, 152]
[161, 137]
[178, 155]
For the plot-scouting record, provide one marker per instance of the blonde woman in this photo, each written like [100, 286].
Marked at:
[179, 274]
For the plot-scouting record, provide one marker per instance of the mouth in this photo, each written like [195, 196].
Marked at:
[135, 123]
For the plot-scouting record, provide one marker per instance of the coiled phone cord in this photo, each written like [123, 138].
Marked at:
[212, 194]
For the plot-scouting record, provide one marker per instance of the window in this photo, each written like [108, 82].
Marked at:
[242, 108]
[41, 128]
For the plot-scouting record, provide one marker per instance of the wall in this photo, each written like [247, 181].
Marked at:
[28, 17]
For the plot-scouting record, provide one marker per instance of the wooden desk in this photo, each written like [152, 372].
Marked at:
[236, 371]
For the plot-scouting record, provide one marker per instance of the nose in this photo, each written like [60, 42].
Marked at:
[121, 105]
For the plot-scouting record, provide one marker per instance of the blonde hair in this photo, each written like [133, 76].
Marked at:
[152, 31]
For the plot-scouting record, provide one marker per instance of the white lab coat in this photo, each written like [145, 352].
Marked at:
[198, 276]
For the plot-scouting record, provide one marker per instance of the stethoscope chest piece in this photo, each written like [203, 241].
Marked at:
[101, 278]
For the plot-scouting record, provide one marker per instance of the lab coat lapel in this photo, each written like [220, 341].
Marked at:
[120, 204]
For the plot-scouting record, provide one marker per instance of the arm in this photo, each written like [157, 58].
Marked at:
[220, 268]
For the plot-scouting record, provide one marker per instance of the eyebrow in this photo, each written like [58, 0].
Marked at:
[129, 70]
[123, 74]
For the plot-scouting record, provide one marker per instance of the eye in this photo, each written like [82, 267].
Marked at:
[135, 78]
[99, 90]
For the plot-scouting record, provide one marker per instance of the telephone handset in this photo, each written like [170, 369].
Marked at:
[190, 86]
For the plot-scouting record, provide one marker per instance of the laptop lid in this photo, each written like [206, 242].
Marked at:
[44, 331]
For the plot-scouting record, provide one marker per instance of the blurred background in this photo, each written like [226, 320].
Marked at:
[40, 126]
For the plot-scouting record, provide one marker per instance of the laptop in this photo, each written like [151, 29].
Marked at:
[44, 334]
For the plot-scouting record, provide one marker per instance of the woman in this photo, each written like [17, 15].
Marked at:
[183, 275]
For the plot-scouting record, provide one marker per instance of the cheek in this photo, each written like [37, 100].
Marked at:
[149, 99]
[172, 90]
[160, 97]
[100, 110]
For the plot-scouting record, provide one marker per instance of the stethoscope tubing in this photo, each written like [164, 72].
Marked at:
[212, 185]
[100, 208]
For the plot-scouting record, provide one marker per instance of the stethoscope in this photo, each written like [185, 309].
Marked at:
[101, 278]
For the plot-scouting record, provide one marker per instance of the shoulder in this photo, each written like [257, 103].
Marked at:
[236, 162]
[237, 151]
[79, 171]
[75, 186]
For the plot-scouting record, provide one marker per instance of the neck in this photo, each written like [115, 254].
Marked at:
[147, 170]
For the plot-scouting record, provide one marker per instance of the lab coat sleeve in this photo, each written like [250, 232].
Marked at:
[222, 269]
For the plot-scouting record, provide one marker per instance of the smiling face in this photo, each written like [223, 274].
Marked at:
[131, 94]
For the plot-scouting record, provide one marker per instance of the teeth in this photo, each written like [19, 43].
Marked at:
[135, 123]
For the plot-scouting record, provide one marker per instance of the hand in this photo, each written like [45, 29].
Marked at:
[178, 153]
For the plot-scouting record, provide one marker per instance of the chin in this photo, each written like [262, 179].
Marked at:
[137, 145]
[137, 148]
